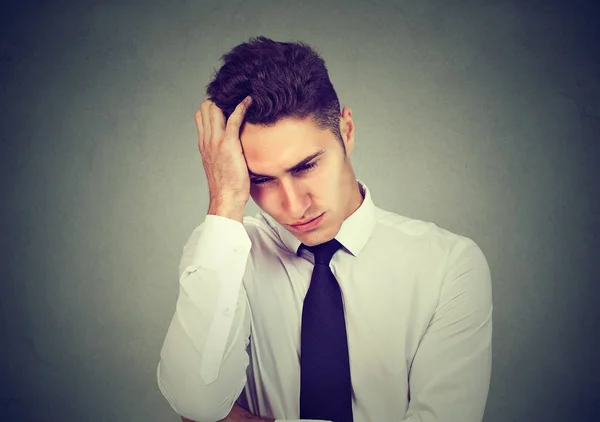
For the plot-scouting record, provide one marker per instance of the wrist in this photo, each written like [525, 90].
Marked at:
[231, 210]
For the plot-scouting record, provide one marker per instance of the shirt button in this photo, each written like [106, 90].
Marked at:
[227, 312]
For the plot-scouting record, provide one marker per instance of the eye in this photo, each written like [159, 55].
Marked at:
[307, 167]
[304, 169]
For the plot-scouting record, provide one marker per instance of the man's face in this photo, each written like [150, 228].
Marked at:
[325, 185]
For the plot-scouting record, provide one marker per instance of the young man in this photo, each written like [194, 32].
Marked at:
[322, 306]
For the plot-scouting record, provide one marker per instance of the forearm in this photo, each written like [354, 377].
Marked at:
[192, 379]
[238, 414]
[203, 358]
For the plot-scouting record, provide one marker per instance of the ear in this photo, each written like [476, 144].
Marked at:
[347, 129]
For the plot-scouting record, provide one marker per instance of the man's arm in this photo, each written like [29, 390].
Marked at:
[450, 374]
[238, 414]
[203, 360]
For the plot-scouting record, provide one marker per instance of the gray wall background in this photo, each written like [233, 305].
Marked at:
[483, 117]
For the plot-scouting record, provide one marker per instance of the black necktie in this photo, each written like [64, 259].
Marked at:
[325, 387]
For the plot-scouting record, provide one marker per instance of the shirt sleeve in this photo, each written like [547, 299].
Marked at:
[203, 359]
[451, 370]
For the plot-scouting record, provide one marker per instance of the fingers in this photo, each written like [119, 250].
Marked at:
[202, 124]
[217, 123]
[206, 126]
[210, 122]
[237, 117]
[198, 119]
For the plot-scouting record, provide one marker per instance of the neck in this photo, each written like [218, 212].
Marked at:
[357, 197]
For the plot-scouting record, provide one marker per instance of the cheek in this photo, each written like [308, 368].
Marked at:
[326, 183]
[320, 176]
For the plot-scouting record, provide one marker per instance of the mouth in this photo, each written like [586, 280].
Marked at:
[309, 225]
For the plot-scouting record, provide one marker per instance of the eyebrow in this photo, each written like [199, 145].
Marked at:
[291, 169]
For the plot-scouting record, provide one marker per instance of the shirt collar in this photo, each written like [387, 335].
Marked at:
[353, 234]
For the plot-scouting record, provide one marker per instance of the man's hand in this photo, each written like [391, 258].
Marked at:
[238, 414]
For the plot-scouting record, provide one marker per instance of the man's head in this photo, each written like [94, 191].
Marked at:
[295, 114]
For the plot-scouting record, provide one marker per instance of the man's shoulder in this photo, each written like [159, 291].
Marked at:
[417, 230]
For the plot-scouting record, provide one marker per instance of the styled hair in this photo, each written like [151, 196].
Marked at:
[285, 80]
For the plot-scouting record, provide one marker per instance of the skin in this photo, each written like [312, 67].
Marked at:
[330, 187]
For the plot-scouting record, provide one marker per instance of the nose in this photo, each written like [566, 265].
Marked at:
[295, 200]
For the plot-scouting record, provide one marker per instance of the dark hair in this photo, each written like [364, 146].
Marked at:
[284, 79]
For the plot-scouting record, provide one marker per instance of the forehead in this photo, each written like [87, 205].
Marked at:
[282, 144]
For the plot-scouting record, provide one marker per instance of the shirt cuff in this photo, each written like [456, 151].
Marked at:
[222, 243]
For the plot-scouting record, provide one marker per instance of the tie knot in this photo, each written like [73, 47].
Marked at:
[325, 251]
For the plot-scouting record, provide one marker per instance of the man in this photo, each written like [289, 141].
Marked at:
[322, 306]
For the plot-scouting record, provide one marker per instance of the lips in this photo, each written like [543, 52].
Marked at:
[308, 226]
[306, 222]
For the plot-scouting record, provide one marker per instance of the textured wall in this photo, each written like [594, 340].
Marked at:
[480, 116]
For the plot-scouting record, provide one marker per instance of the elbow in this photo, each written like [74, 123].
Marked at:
[199, 406]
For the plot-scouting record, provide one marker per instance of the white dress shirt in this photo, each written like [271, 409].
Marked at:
[418, 306]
